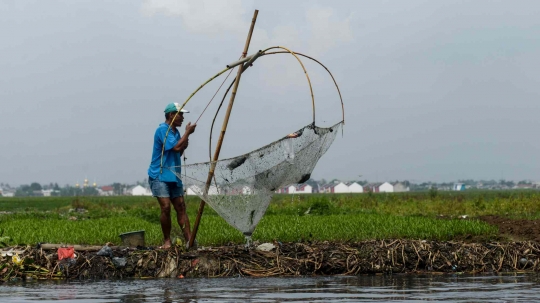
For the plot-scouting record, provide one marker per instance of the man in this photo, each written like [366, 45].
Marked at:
[165, 184]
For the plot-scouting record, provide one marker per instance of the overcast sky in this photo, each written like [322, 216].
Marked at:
[433, 90]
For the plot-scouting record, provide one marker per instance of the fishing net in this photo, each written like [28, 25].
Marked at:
[243, 186]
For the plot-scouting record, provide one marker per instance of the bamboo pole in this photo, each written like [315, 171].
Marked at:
[223, 130]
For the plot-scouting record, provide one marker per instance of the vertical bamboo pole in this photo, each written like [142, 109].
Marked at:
[223, 129]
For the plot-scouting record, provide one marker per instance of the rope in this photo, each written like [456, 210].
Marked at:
[214, 95]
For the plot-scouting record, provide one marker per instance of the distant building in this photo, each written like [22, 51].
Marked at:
[303, 189]
[372, 187]
[458, 187]
[244, 190]
[106, 191]
[291, 189]
[282, 190]
[7, 193]
[49, 192]
[336, 188]
[386, 188]
[139, 191]
[195, 190]
[400, 187]
[523, 186]
[355, 187]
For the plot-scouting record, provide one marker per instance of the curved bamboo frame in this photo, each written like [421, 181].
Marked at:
[263, 53]
[274, 53]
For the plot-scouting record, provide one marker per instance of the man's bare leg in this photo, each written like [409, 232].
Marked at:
[165, 219]
[181, 216]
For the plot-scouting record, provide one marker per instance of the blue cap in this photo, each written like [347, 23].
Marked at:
[174, 107]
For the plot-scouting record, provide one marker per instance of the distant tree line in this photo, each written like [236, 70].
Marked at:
[35, 189]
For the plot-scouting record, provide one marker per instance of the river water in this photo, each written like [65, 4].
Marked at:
[395, 288]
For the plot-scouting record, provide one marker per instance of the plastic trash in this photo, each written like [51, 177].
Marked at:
[66, 253]
[119, 262]
[266, 247]
[66, 263]
[105, 251]
[8, 253]
[17, 260]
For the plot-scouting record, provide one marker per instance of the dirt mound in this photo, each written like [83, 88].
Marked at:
[515, 229]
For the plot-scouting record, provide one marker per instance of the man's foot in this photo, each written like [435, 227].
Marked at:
[166, 245]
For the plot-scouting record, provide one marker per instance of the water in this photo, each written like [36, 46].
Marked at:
[396, 288]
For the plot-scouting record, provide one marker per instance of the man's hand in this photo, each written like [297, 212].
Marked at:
[190, 129]
[183, 142]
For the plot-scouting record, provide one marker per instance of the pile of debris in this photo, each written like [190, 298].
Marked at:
[268, 259]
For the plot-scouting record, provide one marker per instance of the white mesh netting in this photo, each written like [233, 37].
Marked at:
[243, 186]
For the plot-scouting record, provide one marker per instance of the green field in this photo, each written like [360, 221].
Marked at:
[341, 217]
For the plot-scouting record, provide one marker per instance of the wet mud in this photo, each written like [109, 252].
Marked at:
[515, 229]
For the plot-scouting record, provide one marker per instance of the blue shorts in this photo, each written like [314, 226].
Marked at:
[166, 189]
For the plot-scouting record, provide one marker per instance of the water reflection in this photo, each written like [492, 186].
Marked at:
[396, 288]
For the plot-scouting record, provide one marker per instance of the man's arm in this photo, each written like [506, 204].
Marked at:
[184, 141]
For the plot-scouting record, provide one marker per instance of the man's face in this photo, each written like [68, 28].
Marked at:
[178, 120]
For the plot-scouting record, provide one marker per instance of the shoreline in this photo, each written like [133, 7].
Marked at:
[285, 259]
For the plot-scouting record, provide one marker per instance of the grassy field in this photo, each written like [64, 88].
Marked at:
[289, 218]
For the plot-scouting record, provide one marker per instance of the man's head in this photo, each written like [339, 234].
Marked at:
[173, 110]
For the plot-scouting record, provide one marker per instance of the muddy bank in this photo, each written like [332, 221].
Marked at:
[287, 259]
[515, 229]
